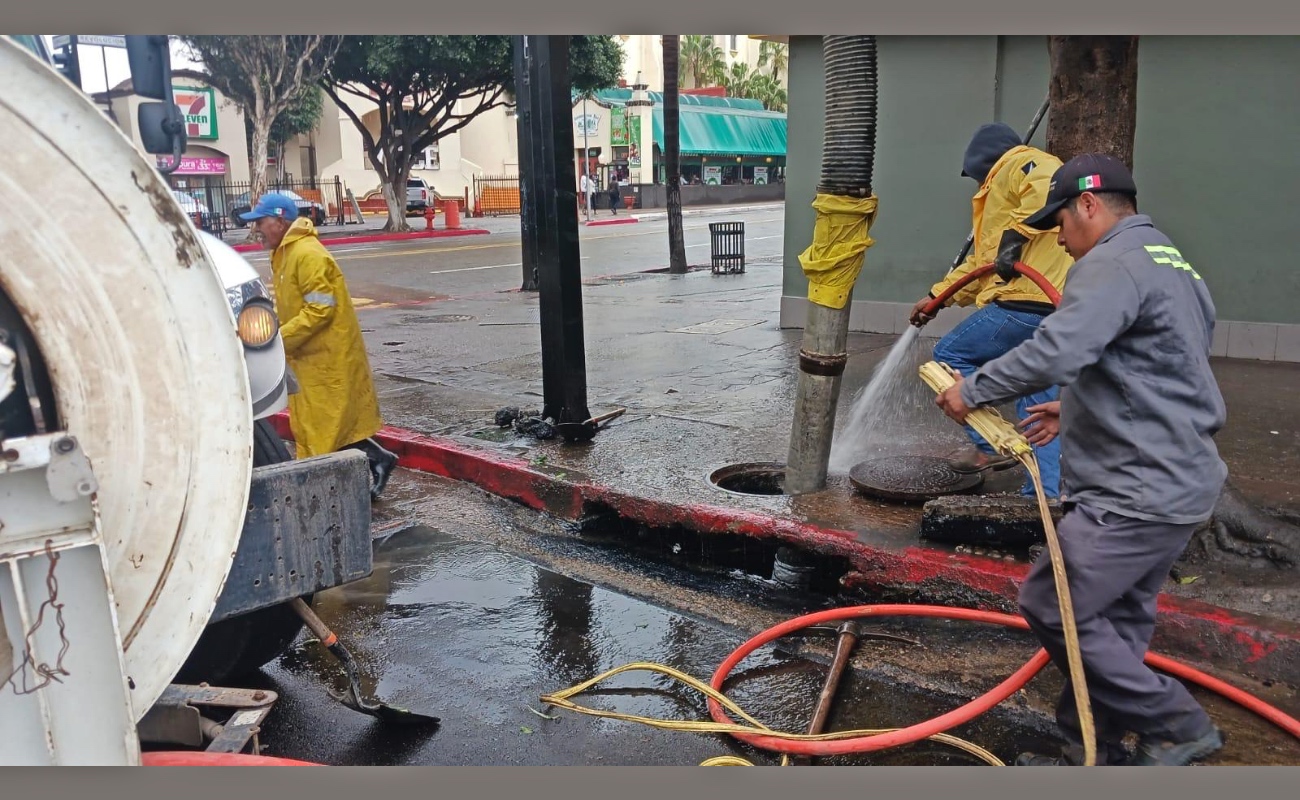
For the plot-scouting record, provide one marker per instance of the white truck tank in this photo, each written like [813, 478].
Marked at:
[137, 335]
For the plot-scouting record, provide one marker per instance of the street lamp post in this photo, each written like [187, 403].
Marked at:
[586, 154]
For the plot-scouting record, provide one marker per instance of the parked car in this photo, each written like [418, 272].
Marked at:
[306, 208]
[419, 195]
[193, 206]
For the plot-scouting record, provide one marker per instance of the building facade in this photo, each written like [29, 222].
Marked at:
[1217, 131]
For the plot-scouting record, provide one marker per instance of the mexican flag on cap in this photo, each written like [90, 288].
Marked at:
[1089, 182]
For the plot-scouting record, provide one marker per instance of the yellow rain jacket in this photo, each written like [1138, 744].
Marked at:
[1015, 189]
[335, 404]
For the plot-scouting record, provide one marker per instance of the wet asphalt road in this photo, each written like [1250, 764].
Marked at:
[479, 607]
[420, 271]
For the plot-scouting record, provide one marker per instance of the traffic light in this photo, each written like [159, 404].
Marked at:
[66, 60]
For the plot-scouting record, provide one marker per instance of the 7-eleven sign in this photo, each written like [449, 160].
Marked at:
[199, 107]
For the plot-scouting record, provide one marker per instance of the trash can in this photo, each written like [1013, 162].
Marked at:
[727, 241]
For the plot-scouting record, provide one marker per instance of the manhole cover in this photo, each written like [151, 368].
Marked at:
[911, 479]
[419, 319]
[761, 478]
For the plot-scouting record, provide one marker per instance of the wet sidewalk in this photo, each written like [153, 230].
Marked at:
[708, 380]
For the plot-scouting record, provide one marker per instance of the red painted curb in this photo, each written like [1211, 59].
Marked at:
[1265, 647]
[333, 241]
[611, 221]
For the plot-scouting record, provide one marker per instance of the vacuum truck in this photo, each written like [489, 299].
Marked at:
[153, 526]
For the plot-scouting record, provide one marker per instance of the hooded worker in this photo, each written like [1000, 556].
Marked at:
[1013, 183]
[335, 407]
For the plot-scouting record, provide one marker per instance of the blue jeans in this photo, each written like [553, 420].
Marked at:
[985, 335]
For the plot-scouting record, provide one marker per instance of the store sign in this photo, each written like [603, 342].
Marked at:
[712, 176]
[586, 125]
[760, 176]
[199, 107]
[618, 127]
[196, 166]
[634, 142]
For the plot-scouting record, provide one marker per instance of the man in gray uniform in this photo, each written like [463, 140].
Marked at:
[1130, 344]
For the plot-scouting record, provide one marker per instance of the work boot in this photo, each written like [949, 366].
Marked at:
[974, 461]
[1159, 752]
[382, 464]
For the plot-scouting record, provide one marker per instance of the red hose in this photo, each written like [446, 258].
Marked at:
[934, 306]
[963, 714]
[202, 758]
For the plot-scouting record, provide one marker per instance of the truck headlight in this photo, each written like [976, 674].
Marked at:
[257, 325]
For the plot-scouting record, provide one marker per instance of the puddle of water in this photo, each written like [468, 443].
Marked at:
[474, 635]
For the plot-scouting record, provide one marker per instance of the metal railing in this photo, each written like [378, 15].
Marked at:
[220, 204]
[496, 195]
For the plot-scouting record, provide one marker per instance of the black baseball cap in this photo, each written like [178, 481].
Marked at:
[1091, 172]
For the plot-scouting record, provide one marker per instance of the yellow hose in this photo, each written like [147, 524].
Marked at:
[561, 700]
[1004, 438]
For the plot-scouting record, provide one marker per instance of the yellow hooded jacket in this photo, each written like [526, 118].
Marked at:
[1015, 189]
[336, 404]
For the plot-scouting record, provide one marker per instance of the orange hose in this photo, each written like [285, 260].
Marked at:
[934, 306]
[202, 758]
[963, 714]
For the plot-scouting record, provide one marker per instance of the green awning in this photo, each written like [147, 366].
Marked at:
[707, 131]
[728, 126]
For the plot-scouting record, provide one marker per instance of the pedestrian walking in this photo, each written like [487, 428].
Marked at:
[613, 196]
[335, 406]
[1013, 180]
[1131, 345]
[588, 187]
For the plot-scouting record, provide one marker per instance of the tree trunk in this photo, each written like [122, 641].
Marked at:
[673, 158]
[395, 178]
[1093, 95]
[257, 164]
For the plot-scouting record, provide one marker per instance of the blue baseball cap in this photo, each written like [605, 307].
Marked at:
[273, 204]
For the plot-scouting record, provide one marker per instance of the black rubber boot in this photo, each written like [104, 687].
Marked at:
[1158, 752]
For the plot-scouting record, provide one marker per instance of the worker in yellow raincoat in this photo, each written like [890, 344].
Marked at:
[335, 407]
[1014, 180]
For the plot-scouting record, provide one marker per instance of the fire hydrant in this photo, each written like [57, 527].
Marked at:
[428, 218]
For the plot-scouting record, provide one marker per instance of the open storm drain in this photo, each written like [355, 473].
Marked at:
[761, 478]
[911, 479]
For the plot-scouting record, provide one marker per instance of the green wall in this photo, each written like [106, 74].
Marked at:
[1217, 154]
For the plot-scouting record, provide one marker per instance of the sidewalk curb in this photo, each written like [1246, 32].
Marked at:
[591, 223]
[707, 211]
[345, 239]
[1265, 648]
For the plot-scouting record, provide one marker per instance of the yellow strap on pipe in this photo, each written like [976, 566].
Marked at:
[839, 247]
[1007, 440]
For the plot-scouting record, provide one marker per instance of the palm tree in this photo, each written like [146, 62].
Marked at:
[739, 80]
[776, 54]
[767, 91]
[673, 157]
[702, 60]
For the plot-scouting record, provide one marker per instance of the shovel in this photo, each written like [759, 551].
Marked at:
[583, 431]
[352, 697]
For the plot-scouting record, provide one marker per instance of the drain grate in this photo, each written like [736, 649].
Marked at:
[911, 479]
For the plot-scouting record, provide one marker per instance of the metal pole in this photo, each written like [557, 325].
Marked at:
[528, 188]
[586, 150]
[551, 215]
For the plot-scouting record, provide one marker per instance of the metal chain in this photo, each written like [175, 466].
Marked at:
[47, 673]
